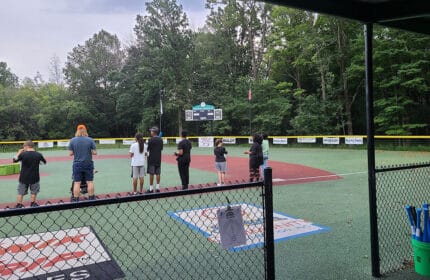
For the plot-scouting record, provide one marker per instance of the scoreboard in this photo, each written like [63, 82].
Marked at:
[202, 114]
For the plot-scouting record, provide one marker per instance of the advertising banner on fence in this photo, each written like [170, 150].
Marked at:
[206, 142]
[331, 140]
[354, 140]
[307, 140]
[107, 141]
[128, 142]
[280, 141]
[75, 253]
[44, 144]
[205, 221]
[229, 140]
[62, 143]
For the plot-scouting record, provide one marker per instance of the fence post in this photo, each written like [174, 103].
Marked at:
[374, 242]
[268, 228]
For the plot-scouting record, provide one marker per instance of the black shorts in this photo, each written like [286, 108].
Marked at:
[154, 169]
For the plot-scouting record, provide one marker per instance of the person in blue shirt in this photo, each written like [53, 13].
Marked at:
[82, 148]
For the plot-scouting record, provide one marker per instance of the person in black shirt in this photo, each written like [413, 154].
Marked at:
[29, 176]
[183, 157]
[220, 161]
[255, 157]
[155, 146]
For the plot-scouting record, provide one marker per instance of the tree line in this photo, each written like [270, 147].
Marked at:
[305, 73]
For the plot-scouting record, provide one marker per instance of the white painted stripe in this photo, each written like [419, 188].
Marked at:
[318, 177]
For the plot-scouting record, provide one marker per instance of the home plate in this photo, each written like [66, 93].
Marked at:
[285, 227]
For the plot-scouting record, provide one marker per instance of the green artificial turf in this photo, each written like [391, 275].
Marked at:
[342, 205]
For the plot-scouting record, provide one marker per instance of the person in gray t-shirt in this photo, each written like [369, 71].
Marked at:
[82, 148]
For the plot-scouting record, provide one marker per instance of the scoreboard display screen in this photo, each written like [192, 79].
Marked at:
[203, 115]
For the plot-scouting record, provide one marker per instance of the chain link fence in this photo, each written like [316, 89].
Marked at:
[396, 187]
[167, 235]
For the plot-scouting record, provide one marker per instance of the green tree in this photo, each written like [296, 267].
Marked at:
[313, 52]
[58, 112]
[7, 78]
[290, 47]
[91, 73]
[164, 55]
[18, 106]
[230, 53]
[402, 82]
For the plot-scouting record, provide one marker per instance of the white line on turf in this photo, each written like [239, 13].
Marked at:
[317, 177]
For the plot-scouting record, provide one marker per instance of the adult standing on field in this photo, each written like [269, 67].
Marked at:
[138, 152]
[29, 176]
[155, 146]
[82, 148]
[255, 158]
[265, 148]
[183, 157]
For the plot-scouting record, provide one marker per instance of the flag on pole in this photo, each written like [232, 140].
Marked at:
[161, 107]
[249, 94]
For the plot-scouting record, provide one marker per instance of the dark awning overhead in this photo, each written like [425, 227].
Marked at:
[410, 15]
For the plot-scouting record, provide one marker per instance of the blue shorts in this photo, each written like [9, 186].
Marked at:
[83, 171]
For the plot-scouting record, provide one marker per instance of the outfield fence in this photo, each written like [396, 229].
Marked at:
[396, 187]
[166, 235]
[332, 141]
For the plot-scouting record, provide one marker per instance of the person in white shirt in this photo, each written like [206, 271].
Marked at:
[138, 152]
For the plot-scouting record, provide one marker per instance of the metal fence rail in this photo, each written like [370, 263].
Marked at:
[167, 235]
[397, 186]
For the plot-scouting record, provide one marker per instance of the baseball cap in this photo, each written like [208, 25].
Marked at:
[154, 129]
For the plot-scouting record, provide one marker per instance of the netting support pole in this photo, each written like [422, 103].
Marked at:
[268, 227]
[370, 126]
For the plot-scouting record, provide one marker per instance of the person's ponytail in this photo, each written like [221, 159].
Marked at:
[139, 139]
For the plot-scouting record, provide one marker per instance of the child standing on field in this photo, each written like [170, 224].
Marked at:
[138, 152]
[29, 176]
[220, 161]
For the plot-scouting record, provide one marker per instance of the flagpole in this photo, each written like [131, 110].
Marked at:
[249, 107]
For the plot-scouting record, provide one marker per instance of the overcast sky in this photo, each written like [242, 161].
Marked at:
[34, 31]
